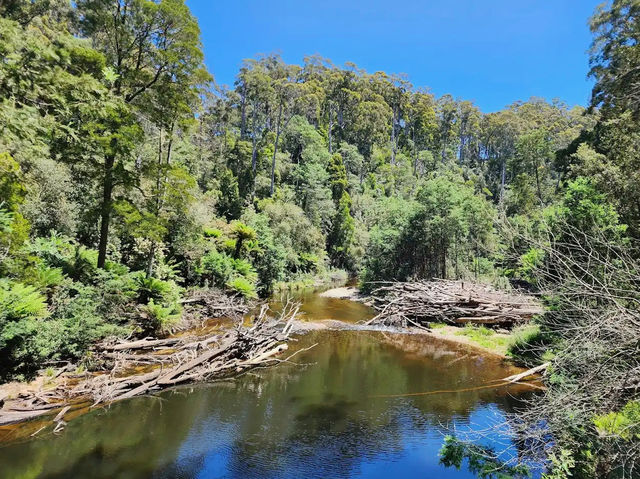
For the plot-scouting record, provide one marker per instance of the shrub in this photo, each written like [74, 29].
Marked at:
[223, 271]
[45, 277]
[243, 287]
[216, 268]
[160, 317]
[530, 345]
[21, 309]
[77, 322]
[245, 269]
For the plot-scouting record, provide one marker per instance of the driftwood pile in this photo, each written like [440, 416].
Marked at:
[147, 365]
[452, 302]
[208, 303]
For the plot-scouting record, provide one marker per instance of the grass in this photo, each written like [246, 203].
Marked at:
[531, 346]
[485, 337]
[517, 344]
[437, 325]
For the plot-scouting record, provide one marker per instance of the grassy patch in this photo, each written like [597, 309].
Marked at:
[530, 345]
[437, 325]
[485, 337]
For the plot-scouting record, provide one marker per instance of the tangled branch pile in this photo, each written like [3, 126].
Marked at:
[454, 302]
[206, 303]
[589, 415]
[165, 363]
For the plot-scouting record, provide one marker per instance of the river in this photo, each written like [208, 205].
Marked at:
[360, 404]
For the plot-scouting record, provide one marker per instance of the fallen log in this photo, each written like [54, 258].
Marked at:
[174, 361]
[525, 374]
[141, 344]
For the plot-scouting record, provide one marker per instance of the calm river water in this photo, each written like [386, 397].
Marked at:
[347, 410]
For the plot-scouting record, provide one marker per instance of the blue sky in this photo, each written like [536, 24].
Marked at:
[491, 51]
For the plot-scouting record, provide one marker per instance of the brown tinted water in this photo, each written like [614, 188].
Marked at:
[358, 404]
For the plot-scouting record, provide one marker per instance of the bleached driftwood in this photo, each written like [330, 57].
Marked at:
[453, 302]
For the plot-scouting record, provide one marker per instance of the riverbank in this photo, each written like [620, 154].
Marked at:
[358, 399]
[344, 292]
[496, 342]
[140, 367]
[136, 367]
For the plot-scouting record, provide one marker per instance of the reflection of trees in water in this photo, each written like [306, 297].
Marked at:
[324, 417]
[129, 439]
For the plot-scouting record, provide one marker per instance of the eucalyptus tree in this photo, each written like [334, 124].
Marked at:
[422, 124]
[287, 91]
[614, 57]
[341, 236]
[469, 118]
[255, 82]
[448, 119]
[371, 122]
[145, 44]
[498, 140]
[341, 98]
[395, 90]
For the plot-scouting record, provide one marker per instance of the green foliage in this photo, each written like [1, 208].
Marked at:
[529, 263]
[12, 189]
[588, 210]
[229, 202]
[152, 289]
[531, 345]
[216, 267]
[309, 167]
[159, 317]
[561, 465]
[242, 286]
[341, 237]
[481, 461]
[244, 237]
[22, 309]
[390, 220]
[451, 226]
[485, 337]
[624, 424]
[224, 271]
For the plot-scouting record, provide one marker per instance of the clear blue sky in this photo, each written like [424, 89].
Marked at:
[491, 51]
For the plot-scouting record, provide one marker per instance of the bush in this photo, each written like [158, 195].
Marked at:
[161, 318]
[77, 322]
[21, 310]
[223, 271]
[243, 287]
[216, 268]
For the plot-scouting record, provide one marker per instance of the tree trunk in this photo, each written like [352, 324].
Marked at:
[415, 152]
[243, 112]
[275, 151]
[330, 128]
[160, 196]
[503, 178]
[394, 140]
[538, 183]
[105, 215]
[254, 144]
[152, 248]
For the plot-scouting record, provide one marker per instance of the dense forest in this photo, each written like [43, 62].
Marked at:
[129, 177]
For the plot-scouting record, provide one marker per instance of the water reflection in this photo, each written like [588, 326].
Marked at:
[315, 307]
[344, 414]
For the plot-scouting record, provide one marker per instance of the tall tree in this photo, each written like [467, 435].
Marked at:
[145, 42]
